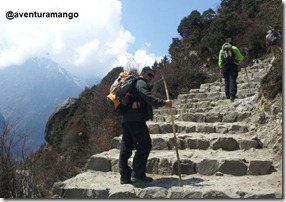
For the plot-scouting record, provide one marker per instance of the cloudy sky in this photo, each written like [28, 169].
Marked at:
[102, 34]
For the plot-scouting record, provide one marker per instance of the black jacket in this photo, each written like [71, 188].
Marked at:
[142, 94]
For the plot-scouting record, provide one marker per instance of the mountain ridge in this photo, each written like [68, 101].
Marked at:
[31, 91]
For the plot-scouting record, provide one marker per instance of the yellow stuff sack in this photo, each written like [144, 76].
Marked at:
[120, 96]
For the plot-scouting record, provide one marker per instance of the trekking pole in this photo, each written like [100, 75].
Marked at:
[247, 77]
[175, 138]
[245, 66]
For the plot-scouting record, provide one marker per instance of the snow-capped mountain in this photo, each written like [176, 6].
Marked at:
[30, 92]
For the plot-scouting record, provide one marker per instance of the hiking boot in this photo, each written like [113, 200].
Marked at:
[126, 182]
[232, 98]
[143, 180]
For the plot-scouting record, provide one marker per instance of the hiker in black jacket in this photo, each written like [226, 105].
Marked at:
[135, 131]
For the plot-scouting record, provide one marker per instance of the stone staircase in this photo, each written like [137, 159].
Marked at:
[221, 155]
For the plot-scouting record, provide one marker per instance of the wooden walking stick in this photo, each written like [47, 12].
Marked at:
[245, 66]
[174, 131]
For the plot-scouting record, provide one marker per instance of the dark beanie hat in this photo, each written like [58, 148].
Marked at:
[147, 69]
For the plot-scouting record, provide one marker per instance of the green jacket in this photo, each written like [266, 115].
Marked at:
[142, 93]
[237, 53]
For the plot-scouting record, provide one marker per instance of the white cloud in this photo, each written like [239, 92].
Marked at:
[87, 46]
[85, 51]
[145, 59]
[148, 44]
[140, 59]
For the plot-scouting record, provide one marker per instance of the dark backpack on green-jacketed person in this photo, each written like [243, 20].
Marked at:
[228, 55]
[120, 97]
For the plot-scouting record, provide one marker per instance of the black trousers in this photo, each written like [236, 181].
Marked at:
[135, 135]
[230, 73]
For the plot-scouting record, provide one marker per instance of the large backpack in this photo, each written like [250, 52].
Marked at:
[228, 55]
[120, 97]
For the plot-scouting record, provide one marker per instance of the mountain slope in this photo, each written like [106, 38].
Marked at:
[2, 121]
[30, 92]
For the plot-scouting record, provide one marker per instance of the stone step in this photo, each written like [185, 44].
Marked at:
[207, 106]
[204, 162]
[191, 127]
[219, 86]
[105, 185]
[210, 117]
[254, 74]
[192, 107]
[208, 102]
[199, 141]
[219, 94]
[166, 112]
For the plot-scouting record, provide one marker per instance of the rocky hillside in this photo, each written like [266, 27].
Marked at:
[227, 149]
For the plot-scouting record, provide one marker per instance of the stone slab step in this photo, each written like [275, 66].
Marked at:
[254, 75]
[190, 127]
[215, 87]
[207, 103]
[178, 108]
[220, 94]
[200, 107]
[158, 113]
[210, 102]
[205, 162]
[198, 141]
[209, 117]
[195, 107]
[209, 106]
[189, 110]
[105, 185]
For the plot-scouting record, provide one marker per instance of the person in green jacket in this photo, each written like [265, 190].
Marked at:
[229, 56]
[135, 131]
